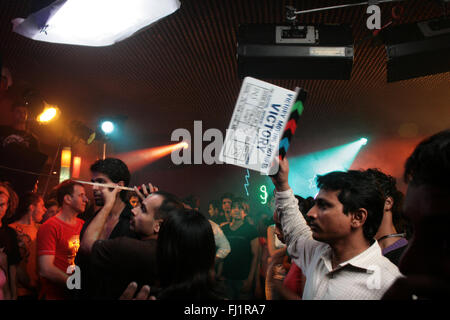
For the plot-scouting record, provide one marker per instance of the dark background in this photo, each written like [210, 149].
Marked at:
[184, 69]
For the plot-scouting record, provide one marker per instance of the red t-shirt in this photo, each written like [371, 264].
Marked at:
[295, 280]
[62, 240]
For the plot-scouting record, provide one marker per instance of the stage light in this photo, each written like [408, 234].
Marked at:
[92, 22]
[295, 52]
[50, 113]
[138, 159]
[81, 131]
[417, 49]
[107, 127]
[304, 169]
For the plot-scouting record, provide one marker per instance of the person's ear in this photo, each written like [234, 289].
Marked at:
[31, 208]
[388, 204]
[121, 183]
[67, 198]
[359, 217]
[157, 225]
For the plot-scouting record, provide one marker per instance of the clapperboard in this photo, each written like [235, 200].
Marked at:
[262, 126]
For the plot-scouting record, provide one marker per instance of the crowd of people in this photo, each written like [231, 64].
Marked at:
[359, 238]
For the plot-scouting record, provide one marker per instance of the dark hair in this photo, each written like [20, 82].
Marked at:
[51, 202]
[185, 256]
[191, 200]
[13, 201]
[215, 203]
[304, 205]
[226, 195]
[170, 203]
[116, 170]
[430, 161]
[388, 186]
[28, 199]
[64, 188]
[242, 203]
[357, 190]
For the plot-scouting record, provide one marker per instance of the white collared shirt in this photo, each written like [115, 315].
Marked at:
[366, 276]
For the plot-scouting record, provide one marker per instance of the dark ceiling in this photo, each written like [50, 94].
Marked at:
[184, 69]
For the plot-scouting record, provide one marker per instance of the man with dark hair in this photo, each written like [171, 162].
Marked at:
[336, 250]
[119, 261]
[426, 261]
[225, 214]
[114, 217]
[58, 240]
[112, 171]
[239, 267]
[391, 234]
[17, 133]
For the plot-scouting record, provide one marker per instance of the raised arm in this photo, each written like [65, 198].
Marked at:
[94, 229]
[297, 234]
[222, 244]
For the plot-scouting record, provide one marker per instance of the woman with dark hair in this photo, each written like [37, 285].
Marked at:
[185, 257]
[8, 239]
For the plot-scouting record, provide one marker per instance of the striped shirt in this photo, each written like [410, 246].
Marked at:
[366, 276]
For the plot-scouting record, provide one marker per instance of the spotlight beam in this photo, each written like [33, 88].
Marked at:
[138, 159]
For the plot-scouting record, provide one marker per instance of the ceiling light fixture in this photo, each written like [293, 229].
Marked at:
[92, 22]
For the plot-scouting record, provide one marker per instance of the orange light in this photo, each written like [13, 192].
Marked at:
[66, 156]
[184, 145]
[50, 113]
[138, 159]
[76, 167]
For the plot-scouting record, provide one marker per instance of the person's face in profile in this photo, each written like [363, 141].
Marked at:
[39, 211]
[143, 221]
[3, 204]
[326, 218]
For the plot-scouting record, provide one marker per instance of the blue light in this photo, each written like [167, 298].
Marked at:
[304, 169]
[107, 127]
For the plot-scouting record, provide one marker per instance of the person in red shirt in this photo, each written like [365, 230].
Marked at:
[26, 224]
[58, 240]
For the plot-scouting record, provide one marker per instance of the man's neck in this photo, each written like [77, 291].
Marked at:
[347, 249]
[26, 219]
[67, 215]
[386, 228]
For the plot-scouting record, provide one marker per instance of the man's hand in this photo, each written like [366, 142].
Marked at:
[280, 179]
[145, 192]
[109, 196]
[130, 291]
